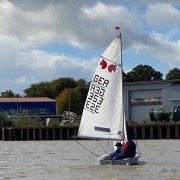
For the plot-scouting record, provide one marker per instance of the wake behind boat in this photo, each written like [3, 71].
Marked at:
[103, 116]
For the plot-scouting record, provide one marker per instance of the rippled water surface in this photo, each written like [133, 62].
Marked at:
[68, 160]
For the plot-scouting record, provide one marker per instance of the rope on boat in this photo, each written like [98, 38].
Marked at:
[102, 147]
[86, 148]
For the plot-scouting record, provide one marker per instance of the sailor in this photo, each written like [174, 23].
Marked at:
[118, 152]
[129, 149]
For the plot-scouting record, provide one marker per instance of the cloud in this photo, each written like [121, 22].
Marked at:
[110, 14]
[102, 18]
[45, 65]
[26, 26]
[166, 50]
[79, 24]
[24, 80]
[30, 27]
[161, 15]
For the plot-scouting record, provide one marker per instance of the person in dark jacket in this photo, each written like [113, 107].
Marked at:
[118, 152]
[129, 149]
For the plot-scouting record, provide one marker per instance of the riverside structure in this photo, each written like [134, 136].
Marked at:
[146, 131]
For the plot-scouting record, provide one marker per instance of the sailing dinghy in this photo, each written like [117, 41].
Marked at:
[103, 116]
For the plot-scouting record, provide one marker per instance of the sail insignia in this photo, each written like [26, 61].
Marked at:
[102, 129]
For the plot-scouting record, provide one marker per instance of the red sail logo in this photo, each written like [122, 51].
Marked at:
[103, 64]
[111, 67]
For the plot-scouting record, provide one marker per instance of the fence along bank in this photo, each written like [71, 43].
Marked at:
[146, 131]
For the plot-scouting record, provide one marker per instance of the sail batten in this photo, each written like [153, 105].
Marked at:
[111, 61]
[103, 114]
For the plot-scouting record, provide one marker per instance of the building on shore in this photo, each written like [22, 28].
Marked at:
[141, 97]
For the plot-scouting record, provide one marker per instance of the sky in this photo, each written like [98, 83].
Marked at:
[43, 40]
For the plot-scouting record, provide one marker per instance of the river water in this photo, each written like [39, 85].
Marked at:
[67, 160]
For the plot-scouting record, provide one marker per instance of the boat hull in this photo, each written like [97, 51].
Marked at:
[104, 160]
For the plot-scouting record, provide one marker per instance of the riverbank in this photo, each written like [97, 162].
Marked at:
[138, 131]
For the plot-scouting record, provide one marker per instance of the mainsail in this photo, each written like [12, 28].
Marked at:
[103, 114]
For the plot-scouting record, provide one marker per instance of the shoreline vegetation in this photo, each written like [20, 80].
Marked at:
[24, 122]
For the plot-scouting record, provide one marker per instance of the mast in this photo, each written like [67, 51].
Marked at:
[122, 92]
[122, 83]
[121, 76]
[121, 62]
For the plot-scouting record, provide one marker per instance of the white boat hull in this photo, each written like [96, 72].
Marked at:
[104, 159]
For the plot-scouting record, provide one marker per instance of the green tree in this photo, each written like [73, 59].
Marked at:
[173, 74]
[51, 89]
[124, 76]
[82, 88]
[58, 85]
[9, 93]
[42, 89]
[69, 98]
[142, 73]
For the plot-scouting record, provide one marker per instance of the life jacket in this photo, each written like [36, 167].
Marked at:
[131, 150]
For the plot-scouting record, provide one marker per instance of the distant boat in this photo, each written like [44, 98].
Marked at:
[103, 116]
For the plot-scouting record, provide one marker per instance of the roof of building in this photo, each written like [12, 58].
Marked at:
[27, 99]
[173, 81]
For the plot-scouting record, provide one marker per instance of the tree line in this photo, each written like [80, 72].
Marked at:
[71, 94]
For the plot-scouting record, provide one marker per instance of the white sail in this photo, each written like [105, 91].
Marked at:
[103, 114]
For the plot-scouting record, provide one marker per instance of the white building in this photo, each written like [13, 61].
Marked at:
[141, 97]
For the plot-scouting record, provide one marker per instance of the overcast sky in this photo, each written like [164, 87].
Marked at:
[42, 40]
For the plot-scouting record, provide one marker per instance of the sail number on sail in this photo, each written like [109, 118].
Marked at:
[96, 93]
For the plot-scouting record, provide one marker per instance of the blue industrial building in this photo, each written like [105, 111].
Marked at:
[33, 106]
